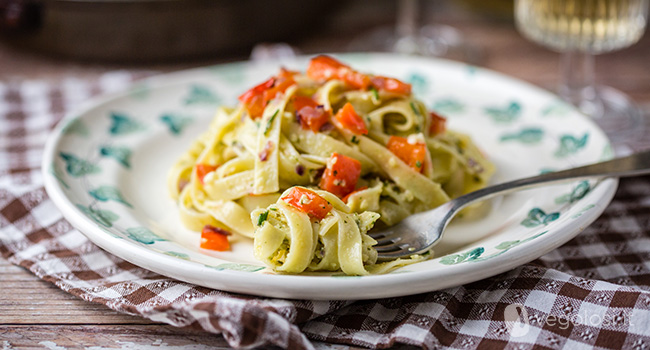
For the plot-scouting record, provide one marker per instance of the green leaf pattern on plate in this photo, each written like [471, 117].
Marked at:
[576, 194]
[537, 217]
[178, 255]
[140, 91]
[506, 114]
[557, 108]
[109, 193]
[237, 267]
[230, 76]
[475, 256]
[526, 136]
[608, 153]
[176, 123]
[58, 175]
[469, 255]
[143, 235]
[200, 94]
[471, 70]
[78, 167]
[76, 127]
[419, 84]
[121, 154]
[570, 144]
[511, 244]
[122, 124]
[103, 217]
[448, 106]
[582, 211]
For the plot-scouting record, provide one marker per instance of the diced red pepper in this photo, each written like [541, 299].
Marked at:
[287, 74]
[280, 86]
[412, 154]
[215, 238]
[253, 99]
[347, 197]
[255, 108]
[348, 118]
[256, 98]
[354, 79]
[341, 175]
[299, 102]
[438, 124]
[308, 202]
[204, 169]
[324, 68]
[391, 85]
[327, 68]
[311, 116]
[248, 96]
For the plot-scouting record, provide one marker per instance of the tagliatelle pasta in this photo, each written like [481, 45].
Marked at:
[307, 164]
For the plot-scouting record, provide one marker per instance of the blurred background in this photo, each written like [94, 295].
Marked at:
[50, 39]
[172, 34]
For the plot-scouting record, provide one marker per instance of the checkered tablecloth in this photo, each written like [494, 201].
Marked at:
[592, 292]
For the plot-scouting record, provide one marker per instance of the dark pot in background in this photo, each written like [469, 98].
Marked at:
[155, 30]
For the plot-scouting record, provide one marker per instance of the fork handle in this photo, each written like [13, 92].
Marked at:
[632, 165]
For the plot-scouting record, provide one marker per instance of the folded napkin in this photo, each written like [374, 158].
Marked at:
[592, 292]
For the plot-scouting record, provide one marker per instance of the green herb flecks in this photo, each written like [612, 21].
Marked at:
[354, 140]
[415, 109]
[263, 217]
[375, 93]
[270, 122]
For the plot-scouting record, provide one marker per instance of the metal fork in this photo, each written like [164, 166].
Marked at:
[420, 232]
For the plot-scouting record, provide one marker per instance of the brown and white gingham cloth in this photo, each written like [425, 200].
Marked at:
[593, 292]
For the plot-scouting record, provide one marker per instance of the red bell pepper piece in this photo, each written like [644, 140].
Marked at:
[214, 238]
[341, 175]
[327, 68]
[391, 85]
[253, 99]
[311, 115]
[256, 98]
[280, 86]
[308, 202]
[412, 154]
[348, 118]
[438, 124]
[204, 169]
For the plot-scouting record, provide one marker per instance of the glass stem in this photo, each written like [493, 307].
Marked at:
[578, 85]
[407, 18]
[407, 27]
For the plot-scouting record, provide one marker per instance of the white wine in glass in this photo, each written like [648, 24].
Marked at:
[580, 29]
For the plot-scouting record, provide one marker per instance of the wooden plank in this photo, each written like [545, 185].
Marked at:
[106, 337]
[109, 337]
[26, 299]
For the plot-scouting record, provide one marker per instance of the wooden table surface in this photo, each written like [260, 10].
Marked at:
[36, 314]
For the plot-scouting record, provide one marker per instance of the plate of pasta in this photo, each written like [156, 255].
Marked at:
[269, 178]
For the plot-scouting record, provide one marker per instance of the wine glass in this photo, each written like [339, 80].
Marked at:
[409, 36]
[580, 29]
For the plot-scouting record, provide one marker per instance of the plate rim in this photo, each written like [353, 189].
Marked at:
[280, 285]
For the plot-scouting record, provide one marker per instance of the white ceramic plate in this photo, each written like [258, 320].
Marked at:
[105, 168]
